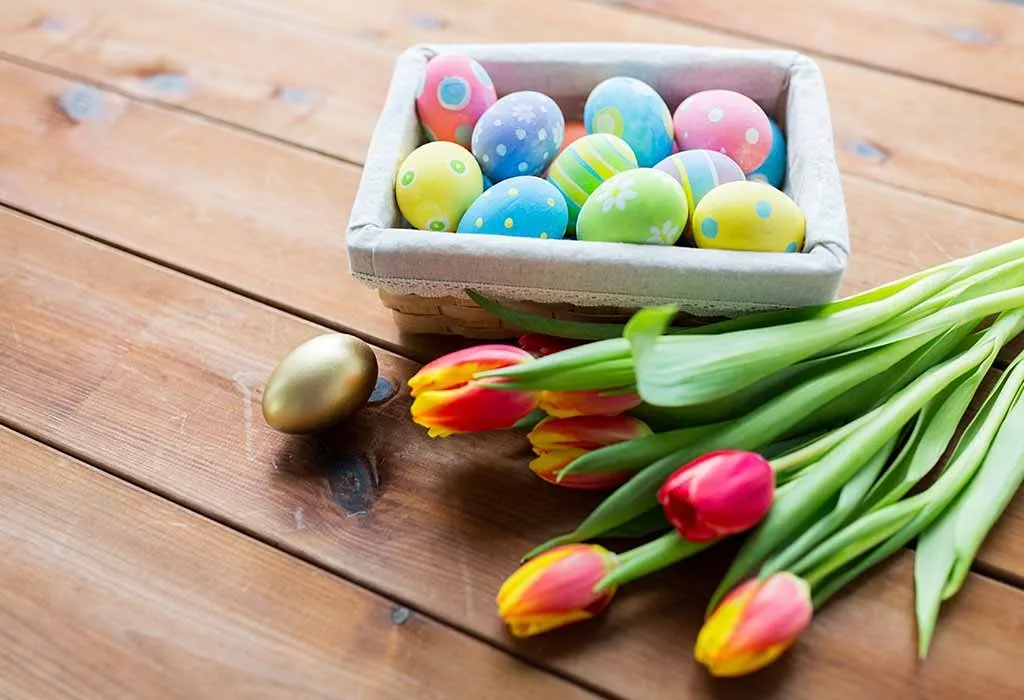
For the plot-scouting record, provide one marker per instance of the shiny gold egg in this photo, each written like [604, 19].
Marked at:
[322, 382]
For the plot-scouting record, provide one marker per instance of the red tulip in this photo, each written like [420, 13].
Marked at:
[556, 588]
[719, 494]
[539, 344]
[754, 625]
[448, 401]
[560, 441]
[567, 404]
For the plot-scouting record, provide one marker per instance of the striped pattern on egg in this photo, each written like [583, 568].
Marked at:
[585, 164]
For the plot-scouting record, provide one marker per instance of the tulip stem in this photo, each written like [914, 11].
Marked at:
[648, 558]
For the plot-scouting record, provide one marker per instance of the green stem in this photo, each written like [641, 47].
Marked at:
[656, 555]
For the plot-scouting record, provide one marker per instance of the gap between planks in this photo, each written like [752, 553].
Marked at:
[226, 521]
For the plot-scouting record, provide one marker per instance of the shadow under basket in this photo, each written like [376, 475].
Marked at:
[422, 276]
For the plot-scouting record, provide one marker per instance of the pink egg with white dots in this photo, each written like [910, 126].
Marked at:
[453, 92]
[727, 122]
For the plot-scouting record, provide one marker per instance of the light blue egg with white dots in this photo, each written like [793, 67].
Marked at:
[524, 206]
[632, 110]
[773, 170]
[520, 134]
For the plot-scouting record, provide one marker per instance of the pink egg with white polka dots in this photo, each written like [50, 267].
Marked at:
[454, 91]
[727, 122]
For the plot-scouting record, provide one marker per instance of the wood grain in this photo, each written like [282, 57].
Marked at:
[981, 42]
[156, 376]
[112, 592]
[217, 60]
[257, 216]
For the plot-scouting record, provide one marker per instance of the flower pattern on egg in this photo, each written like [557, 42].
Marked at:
[523, 113]
[666, 235]
[618, 196]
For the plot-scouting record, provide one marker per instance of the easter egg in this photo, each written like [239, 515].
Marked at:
[454, 91]
[638, 206]
[749, 216]
[523, 206]
[773, 169]
[699, 171]
[633, 111]
[436, 184]
[519, 135]
[727, 122]
[319, 383]
[584, 165]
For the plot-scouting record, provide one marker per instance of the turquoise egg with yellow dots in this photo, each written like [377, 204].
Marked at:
[638, 206]
[750, 216]
[585, 164]
[436, 184]
[524, 206]
[632, 110]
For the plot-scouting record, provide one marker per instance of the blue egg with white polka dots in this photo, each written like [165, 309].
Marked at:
[520, 134]
[632, 110]
[773, 170]
[524, 206]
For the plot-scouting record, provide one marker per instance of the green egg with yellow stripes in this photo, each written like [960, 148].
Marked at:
[585, 164]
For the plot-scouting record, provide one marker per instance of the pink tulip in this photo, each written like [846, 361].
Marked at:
[722, 493]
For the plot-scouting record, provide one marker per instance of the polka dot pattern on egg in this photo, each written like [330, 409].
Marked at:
[709, 228]
[725, 121]
[453, 93]
[518, 135]
[525, 206]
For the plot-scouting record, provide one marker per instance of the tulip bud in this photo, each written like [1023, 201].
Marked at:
[567, 404]
[754, 625]
[556, 588]
[722, 493]
[448, 401]
[560, 441]
[540, 345]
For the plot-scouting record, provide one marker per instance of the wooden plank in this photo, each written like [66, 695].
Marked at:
[253, 214]
[112, 592]
[157, 377]
[981, 42]
[268, 220]
[210, 58]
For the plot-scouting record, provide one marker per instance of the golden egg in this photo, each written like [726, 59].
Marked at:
[319, 383]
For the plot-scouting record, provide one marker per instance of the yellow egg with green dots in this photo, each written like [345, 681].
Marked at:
[749, 216]
[436, 184]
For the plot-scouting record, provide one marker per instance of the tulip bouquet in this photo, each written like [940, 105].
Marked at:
[817, 434]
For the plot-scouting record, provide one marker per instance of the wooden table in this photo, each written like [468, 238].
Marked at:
[175, 179]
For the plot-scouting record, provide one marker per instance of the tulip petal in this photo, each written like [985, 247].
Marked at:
[457, 368]
[470, 408]
[567, 404]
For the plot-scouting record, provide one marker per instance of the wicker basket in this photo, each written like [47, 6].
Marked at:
[422, 275]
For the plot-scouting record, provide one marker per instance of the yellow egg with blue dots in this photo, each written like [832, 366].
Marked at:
[523, 206]
[750, 216]
[436, 184]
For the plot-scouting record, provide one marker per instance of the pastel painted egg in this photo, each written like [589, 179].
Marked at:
[519, 135]
[773, 169]
[436, 184]
[727, 122]
[700, 171]
[585, 164]
[633, 111]
[637, 206]
[524, 206]
[749, 216]
[454, 92]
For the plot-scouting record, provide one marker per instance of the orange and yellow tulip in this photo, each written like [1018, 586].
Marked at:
[560, 441]
[556, 588]
[754, 625]
[447, 400]
[568, 404]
